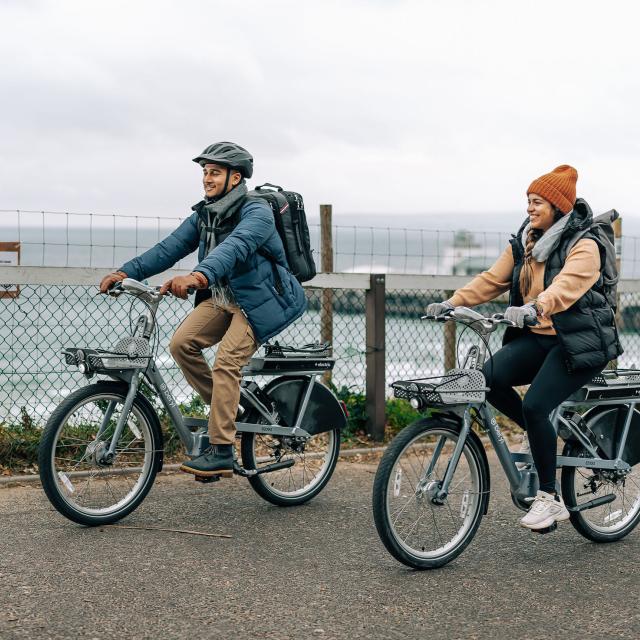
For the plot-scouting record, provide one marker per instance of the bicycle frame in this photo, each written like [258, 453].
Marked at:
[524, 483]
[195, 441]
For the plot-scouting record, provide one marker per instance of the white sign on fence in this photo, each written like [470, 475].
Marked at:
[9, 257]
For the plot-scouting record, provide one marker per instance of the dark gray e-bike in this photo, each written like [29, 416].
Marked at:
[432, 485]
[103, 445]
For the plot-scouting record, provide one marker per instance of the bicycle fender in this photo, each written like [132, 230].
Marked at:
[323, 412]
[607, 424]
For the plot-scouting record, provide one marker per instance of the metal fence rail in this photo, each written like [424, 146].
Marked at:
[67, 239]
[58, 307]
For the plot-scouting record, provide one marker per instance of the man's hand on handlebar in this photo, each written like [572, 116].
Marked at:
[110, 280]
[180, 286]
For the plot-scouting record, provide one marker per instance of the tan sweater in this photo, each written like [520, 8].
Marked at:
[579, 273]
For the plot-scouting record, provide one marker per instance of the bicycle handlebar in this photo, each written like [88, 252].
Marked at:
[136, 289]
[473, 316]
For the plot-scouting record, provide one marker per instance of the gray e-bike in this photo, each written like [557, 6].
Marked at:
[103, 445]
[432, 485]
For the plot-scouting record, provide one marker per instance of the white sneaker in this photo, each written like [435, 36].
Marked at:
[525, 447]
[544, 511]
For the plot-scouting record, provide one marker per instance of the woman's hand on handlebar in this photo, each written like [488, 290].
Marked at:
[524, 316]
[439, 308]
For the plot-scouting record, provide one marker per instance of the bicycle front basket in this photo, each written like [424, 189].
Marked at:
[457, 386]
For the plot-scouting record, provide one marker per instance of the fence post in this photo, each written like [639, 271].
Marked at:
[449, 340]
[375, 359]
[617, 234]
[326, 266]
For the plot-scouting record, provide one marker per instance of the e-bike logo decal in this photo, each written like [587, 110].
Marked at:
[165, 389]
[496, 430]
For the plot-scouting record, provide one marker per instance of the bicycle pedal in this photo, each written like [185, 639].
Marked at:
[549, 529]
[207, 479]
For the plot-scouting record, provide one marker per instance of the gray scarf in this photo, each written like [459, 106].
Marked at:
[217, 213]
[548, 242]
[221, 210]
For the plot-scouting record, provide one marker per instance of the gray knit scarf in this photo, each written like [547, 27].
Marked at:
[217, 213]
[219, 210]
[548, 242]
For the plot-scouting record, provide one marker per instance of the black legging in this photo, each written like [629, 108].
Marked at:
[535, 359]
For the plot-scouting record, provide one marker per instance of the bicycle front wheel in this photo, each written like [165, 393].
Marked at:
[81, 478]
[418, 528]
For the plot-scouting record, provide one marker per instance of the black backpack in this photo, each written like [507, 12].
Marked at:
[291, 222]
[601, 230]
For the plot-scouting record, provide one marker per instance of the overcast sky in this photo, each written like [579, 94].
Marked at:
[392, 107]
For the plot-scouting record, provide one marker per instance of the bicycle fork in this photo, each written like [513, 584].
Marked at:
[441, 494]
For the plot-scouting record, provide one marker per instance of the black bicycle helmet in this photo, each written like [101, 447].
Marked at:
[228, 154]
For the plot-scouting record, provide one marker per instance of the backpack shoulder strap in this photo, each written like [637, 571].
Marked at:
[600, 225]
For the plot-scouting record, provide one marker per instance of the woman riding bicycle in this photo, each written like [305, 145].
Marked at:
[558, 284]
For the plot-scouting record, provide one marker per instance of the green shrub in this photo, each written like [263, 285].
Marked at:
[19, 444]
[398, 413]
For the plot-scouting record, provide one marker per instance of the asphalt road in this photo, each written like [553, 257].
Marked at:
[316, 571]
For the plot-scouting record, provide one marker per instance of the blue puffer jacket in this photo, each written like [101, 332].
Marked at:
[250, 275]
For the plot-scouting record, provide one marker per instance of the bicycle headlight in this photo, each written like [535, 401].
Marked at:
[416, 403]
[82, 367]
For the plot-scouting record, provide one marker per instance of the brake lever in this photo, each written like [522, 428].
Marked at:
[443, 317]
[115, 291]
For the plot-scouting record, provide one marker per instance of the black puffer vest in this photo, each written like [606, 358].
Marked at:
[587, 330]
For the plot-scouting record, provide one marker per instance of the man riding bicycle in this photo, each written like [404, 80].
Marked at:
[560, 285]
[245, 292]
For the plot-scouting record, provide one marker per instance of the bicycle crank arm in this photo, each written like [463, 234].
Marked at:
[596, 502]
[249, 473]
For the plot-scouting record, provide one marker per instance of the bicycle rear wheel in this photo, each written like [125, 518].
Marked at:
[79, 477]
[417, 528]
[314, 461]
[610, 521]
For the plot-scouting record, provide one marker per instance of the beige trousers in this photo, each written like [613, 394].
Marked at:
[206, 325]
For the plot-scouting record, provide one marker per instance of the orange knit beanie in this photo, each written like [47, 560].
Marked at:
[558, 187]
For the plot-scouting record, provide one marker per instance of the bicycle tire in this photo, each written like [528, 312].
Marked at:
[49, 476]
[380, 497]
[252, 445]
[570, 477]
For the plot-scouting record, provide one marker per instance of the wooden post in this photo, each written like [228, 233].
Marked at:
[617, 234]
[375, 362]
[326, 266]
[449, 333]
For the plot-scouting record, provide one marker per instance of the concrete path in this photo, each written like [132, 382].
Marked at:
[316, 571]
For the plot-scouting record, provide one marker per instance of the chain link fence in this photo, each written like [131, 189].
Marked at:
[44, 319]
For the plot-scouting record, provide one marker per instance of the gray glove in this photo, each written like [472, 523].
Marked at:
[438, 308]
[518, 315]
